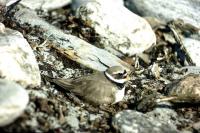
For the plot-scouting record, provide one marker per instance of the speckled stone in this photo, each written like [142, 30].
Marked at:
[130, 121]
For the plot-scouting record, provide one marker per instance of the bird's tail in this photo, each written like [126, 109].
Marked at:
[64, 83]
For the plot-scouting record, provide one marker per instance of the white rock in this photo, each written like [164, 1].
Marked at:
[71, 46]
[13, 101]
[193, 48]
[188, 10]
[45, 4]
[17, 61]
[120, 31]
[77, 3]
[2, 28]
[7, 2]
[72, 121]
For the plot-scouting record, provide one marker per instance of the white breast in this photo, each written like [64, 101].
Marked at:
[119, 95]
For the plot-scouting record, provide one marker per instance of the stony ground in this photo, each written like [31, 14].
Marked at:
[52, 109]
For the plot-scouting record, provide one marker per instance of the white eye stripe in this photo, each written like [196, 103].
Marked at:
[121, 81]
[116, 72]
[122, 73]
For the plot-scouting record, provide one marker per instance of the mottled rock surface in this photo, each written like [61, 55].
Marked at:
[17, 61]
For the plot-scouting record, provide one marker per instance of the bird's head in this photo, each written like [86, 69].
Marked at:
[117, 74]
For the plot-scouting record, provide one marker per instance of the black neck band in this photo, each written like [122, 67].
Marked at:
[120, 85]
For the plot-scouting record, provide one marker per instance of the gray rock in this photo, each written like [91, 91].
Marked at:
[72, 47]
[119, 30]
[45, 4]
[130, 121]
[165, 113]
[188, 10]
[13, 101]
[17, 61]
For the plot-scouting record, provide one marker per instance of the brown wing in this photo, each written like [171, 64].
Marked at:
[95, 89]
[64, 83]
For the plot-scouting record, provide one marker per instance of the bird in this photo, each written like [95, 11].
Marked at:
[100, 88]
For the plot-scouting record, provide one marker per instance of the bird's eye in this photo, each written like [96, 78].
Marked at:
[122, 75]
[119, 74]
[125, 72]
